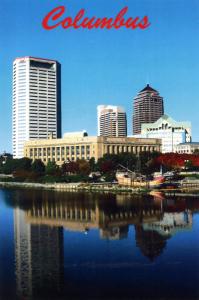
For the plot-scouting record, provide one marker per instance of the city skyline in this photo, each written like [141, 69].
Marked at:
[106, 67]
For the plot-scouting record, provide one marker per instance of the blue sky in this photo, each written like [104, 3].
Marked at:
[106, 66]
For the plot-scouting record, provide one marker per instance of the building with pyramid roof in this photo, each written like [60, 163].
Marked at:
[148, 107]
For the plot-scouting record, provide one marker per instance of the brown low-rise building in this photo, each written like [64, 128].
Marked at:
[71, 148]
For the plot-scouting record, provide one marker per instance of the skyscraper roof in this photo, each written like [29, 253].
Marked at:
[148, 88]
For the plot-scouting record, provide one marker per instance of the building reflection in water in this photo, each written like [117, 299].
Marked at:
[39, 230]
[151, 237]
[150, 242]
[38, 257]
[114, 233]
[112, 216]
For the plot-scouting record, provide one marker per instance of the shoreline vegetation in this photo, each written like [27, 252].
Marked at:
[83, 175]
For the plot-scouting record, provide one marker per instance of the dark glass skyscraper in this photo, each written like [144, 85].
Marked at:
[148, 107]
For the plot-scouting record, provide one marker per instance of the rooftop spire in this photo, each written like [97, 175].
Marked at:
[148, 88]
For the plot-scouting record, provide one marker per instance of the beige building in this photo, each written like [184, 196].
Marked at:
[85, 147]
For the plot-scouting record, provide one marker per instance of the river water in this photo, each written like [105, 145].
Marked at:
[56, 245]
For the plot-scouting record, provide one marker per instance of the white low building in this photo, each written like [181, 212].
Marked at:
[170, 131]
[188, 148]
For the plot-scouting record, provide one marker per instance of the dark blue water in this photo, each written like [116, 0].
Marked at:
[98, 246]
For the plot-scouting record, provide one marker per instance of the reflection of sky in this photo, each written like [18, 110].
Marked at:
[95, 249]
[185, 245]
[7, 267]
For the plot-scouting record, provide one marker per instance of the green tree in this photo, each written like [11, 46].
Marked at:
[188, 164]
[92, 164]
[52, 168]
[127, 160]
[23, 163]
[38, 167]
[144, 161]
[110, 162]
[11, 165]
[196, 151]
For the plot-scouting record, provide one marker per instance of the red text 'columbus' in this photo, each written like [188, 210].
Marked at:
[56, 18]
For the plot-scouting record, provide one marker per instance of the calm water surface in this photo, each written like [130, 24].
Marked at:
[98, 246]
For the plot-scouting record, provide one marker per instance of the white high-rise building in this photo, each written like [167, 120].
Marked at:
[111, 121]
[36, 101]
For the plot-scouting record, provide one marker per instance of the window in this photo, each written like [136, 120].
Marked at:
[62, 150]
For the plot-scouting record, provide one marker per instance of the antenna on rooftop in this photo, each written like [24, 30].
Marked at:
[147, 79]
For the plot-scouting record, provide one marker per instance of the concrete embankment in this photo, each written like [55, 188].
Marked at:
[112, 187]
[72, 186]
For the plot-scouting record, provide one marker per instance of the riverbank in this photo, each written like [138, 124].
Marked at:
[73, 186]
[95, 187]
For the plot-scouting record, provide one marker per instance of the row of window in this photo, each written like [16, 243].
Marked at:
[186, 151]
[135, 149]
[59, 212]
[67, 150]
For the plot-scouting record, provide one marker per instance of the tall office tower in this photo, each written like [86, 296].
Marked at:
[148, 107]
[36, 101]
[111, 121]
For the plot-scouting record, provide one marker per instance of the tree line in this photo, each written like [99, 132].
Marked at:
[28, 170]
[24, 169]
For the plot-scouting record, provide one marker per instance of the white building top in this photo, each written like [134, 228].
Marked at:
[109, 108]
[82, 133]
[165, 122]
[35, 58]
